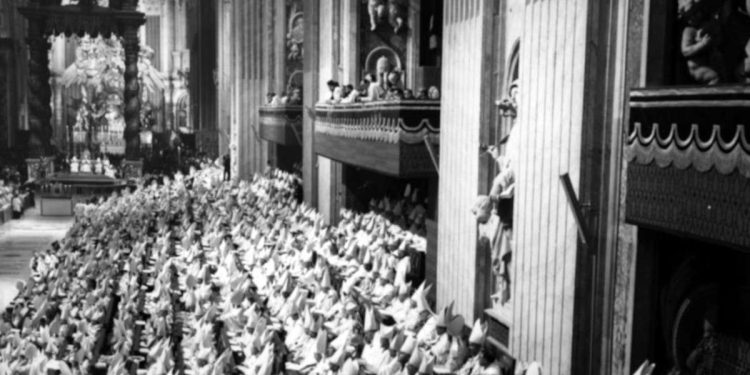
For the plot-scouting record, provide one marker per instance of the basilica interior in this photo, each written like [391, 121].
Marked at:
[374, 187]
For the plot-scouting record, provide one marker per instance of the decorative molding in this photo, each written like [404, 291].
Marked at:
[386, 122]
[387, 137]
[695, 127]
[69, 20]
[700, 153]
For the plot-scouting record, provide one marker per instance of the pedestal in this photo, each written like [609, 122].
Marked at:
[132, 169]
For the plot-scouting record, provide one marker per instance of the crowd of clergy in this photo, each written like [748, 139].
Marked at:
[196, 275]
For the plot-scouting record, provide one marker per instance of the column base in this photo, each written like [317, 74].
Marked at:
[132, 169]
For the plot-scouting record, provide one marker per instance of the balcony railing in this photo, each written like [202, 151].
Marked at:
[281, 124]
[689, 162]
[393, 138]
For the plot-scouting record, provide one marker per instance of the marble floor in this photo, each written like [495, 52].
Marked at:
[19, 239]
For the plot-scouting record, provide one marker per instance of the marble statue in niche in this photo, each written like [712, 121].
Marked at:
[699, 43]
[715, 40]
[376, 10]
[395, 10]
[494, 211]
[295, 36]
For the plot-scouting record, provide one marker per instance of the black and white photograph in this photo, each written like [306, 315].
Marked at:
[374, 187]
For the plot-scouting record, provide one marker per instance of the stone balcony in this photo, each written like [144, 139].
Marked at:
[386, 137]
[688, 160]
[281, 124]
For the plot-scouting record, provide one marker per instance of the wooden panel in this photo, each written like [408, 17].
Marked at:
[708, 206]
[386, 137]
[56, 207]
[393, 159]
[380, 157]
[549, 133]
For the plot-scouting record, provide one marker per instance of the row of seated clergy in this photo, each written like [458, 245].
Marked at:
[97, 166]
[253, 270]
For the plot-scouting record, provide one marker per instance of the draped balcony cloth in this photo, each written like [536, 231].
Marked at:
[713, 152]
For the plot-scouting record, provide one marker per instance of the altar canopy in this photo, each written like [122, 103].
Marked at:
[97, 81]
[53, 17]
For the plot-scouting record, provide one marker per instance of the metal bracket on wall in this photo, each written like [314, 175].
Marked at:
[433, 156]
[255, 132]
[296, 135]
[578, 214]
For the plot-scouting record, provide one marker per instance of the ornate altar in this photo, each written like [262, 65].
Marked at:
[59, 193]
[51, 17]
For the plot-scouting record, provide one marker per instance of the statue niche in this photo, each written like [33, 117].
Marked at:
[395, 10]
[295, 36]
[715, 40]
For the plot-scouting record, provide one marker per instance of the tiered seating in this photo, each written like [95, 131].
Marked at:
[199, 276]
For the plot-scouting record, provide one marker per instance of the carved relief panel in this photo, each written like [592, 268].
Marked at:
[295, 36]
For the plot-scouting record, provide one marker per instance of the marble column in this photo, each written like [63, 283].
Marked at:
[39, 91]
[131, 95]
[311, 78]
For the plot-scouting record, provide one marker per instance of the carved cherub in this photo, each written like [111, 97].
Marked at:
[376, 9]
[295, 38]
[397, 10]
[699, 42]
